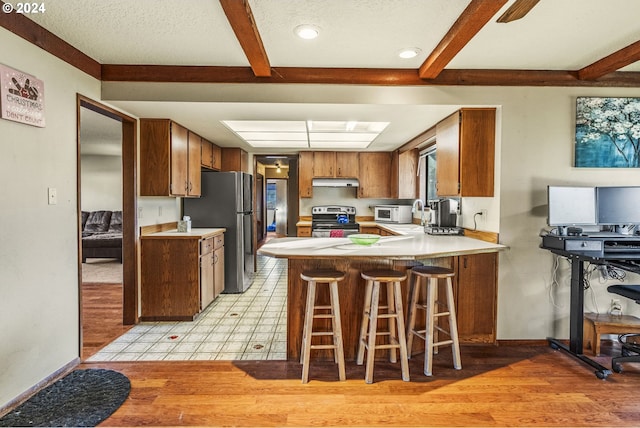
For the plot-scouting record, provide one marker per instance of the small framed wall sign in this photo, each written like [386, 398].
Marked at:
[22, 97]
[607, 132]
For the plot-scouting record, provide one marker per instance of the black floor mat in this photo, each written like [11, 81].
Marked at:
[83, 398]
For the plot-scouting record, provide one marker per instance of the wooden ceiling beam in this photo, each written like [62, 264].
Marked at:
[474, 17]
[23, 27]
[244, 26]
[611, 63]
[517, 10]
[360, 76]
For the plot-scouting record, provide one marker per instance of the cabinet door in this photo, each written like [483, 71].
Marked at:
[179, 156]
[347, 165]
[216, 155]
[476, 294]
[305, 174]
[206, 153]
[477, 151]
[155, 157]
[448, 155]
[193, 166]
[404, 179]
[375, 169]
[218, 271]
[304, 231]
[324, 164]
[207, 292]
[234, 159]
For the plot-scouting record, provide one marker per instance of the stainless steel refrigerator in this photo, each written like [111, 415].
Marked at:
[227, 201]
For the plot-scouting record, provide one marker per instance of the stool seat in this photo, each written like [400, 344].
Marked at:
[433, 271]
[322, 275]
[383, 275]
[392, 312]
[330, 312]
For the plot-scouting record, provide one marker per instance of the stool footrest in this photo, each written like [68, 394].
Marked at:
[444, 342]
[322, 333]
[323, 347]
[323, 316]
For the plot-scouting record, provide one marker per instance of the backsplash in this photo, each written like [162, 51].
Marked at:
[344, 196]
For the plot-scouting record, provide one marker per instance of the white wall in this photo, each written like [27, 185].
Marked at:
[38, 242]
[101, 183]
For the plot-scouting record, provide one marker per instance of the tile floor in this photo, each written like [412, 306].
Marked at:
[247, 326]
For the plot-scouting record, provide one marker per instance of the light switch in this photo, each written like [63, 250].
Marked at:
[53, 196]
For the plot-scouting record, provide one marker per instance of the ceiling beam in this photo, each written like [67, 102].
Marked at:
[360, 76]
[244, 26]
[613, 62]
[517, 10]
[474, 17]
[23, 27]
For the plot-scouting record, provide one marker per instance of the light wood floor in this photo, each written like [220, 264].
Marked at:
[498, 386]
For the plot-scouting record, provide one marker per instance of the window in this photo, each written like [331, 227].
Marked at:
[428, 174]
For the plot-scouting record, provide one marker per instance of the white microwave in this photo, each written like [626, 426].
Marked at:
[393, 213]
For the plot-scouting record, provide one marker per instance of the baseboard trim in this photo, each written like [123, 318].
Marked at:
[523, 342]
[58, 374]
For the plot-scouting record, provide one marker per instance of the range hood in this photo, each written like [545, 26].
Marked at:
[335, 182]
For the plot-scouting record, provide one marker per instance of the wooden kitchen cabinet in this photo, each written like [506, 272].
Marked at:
[335, 165]
[324, 164]
[476, 297]
[465, 144]
[404, 178]
[169, 164]
[305, 174]
[180, 275]
[375, 169]
[234, 159]
[211, 155]
[347, 165]
[304, 231]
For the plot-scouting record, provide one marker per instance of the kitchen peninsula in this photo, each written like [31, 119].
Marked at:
[397, 252]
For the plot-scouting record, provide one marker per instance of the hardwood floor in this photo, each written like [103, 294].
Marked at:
[101, 316]
[498, 386]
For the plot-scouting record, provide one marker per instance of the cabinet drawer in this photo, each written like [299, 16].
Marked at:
[218, 241]
[206, 246]
[304, 231]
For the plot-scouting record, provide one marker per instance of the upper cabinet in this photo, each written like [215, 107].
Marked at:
[465, 153]
[169, 161]
[375, 169]
[404, 178]
[305, 174]
[234, 159]
[335, 165]
[211, 155]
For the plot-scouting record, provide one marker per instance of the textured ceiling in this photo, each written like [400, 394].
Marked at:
[555, 35]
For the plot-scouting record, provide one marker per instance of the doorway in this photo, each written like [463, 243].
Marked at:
[109, 139]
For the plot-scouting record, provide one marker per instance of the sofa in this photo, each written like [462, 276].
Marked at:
[102, 235]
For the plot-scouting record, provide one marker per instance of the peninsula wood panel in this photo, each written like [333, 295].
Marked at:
[170, 281]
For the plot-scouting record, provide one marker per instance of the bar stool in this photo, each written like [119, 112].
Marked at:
[394, 315]
[432, 274]
[331, 311]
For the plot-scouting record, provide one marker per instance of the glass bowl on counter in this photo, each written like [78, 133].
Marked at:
[364, 238]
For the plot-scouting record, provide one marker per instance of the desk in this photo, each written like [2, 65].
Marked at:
[576, 308]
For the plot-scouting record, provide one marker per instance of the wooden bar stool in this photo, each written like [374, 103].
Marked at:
[432, 274]
[331, 311]
[395, 319]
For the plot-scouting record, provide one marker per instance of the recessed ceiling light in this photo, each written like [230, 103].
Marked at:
[409, 53]
[307, 31]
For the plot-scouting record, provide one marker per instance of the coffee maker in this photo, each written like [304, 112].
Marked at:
[443, 217]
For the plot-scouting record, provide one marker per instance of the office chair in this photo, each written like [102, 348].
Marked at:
[630, 350]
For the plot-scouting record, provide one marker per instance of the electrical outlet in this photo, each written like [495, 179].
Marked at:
[483, 213]
[140, 212]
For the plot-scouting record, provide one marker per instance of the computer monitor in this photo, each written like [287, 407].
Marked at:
[571, 206]
[619, 206]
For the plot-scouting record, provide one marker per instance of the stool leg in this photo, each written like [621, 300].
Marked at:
[391, 322]
[411, 316]
[306, 335]
[337, 329]
[453, 326]
[436, 320]
[365, 322]
[373, 327]
[429, 325]
[402, 340]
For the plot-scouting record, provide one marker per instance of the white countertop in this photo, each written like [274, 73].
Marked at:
[196, 233]
[408, 246]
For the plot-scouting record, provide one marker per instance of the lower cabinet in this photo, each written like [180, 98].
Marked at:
[304, 231]
[180, 276]
[476, 296]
